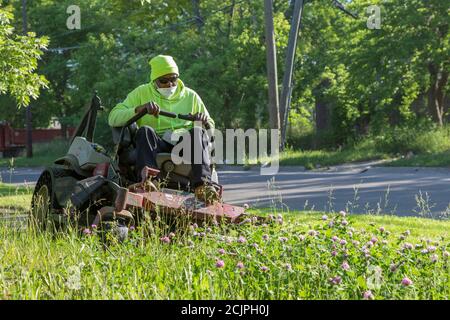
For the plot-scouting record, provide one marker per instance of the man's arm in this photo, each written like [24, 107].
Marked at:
[125, 110]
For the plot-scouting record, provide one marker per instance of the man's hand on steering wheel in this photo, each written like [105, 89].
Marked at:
[151, 107]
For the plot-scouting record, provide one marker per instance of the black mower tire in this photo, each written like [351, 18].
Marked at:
[42, 202]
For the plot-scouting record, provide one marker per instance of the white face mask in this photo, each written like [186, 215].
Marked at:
[167, 92]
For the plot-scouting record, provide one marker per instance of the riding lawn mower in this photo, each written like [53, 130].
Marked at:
[90, 187]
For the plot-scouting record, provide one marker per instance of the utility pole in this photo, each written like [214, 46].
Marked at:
[287, 80]
[28, 109]
[274, 114]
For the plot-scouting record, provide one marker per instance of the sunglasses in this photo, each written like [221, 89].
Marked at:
[167, 80]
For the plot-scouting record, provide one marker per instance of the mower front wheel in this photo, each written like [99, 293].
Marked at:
[42, 202]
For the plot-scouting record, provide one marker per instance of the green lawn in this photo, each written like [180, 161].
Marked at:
[441, 159]
[43, 155]
[15, 199]
[300, 256]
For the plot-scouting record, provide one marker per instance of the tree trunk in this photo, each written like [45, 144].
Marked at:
[436, 93]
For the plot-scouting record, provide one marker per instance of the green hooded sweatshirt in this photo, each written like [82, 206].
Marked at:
[183, 101]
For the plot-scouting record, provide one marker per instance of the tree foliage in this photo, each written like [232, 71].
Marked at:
[19, 55]
[366, 78]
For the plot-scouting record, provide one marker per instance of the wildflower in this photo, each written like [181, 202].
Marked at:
[382, 229]
[248, 220]
[434, 258]
[264, 268]
[214, 222]
[368, 295]
[345, 266]
[384, 242]
[283, 239]
[265, 237]
[94, 226]
[344, 222]
[393, 267]
[288, 267]
[312, 233]
[87, 231]
[418, 245]
[355, 243]
[336, 280]
[259, 250]
[331, 224]
[208, 230]
[195, 226]
[279, 216]
[343, 242]
[240, 265]
[222, 251]
[229, 240]
[171, 235]
[406, 282]
[407, 246]
[246, 206]
[165, 239]
[335, 238]
[242, 239]
[334, 253]
[324, 217]
[202, 234]
[132, 228]
[431, 248]
[271, 217]
[402, 237]
[407, 233]
[220, 264]
[374, 240]
[342, 213]
[255, 219]
[280, 221]
[446, 254]
[424, 251]
[369, 244]
[350, 234]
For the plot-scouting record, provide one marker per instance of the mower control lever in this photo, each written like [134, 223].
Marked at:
[139, 115]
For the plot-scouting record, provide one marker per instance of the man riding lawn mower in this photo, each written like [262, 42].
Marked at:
[166, 91]
[114, 192]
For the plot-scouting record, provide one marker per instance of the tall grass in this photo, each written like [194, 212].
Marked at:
[293, 257]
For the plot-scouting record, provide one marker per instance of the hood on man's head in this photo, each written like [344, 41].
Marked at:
[162, 65]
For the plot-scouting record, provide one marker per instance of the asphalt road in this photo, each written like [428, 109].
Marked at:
[356, 188]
